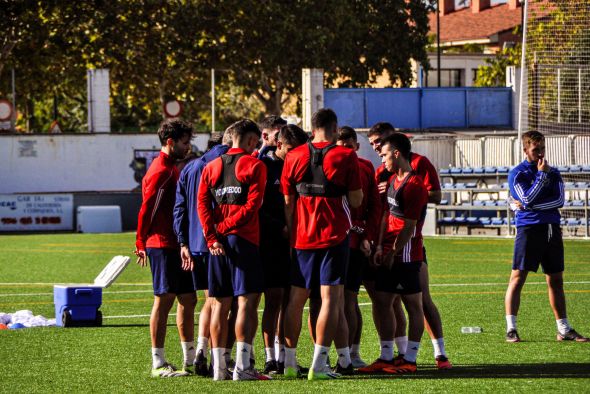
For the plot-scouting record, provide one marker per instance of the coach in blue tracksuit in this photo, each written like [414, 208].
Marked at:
[538, 192]
[194, 250]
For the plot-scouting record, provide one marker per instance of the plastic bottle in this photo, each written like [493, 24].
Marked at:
[471, 330]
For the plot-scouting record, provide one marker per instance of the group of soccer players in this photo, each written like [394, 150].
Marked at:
[297, 219]
[303, 219]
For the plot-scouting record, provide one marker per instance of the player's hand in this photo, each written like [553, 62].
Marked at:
[389, 259]
[141, 257]
[187, 259]
[366, 247]
[542, 165]
[382, 187]
[217, 249]
[378, 256]
[285, 233]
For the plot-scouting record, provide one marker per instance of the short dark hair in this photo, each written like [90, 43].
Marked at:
[272, 122]
[325, 119]
[346, 133]
[292, 135]
[381, 129]
[175, 129]
[532, 137]
[242, 127]
[399, 141]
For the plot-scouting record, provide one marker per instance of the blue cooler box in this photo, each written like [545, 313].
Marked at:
[77, 305]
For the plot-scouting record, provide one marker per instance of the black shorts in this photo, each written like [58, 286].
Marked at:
[321, 267]
[275, 255]
[167, 273]
[354, 275]
[200, 272]
[538, 244]
[401, 278]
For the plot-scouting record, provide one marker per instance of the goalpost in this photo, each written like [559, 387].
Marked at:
[555, 94]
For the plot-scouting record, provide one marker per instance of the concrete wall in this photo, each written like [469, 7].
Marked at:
[36, 163]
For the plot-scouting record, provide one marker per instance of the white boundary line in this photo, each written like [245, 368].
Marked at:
[583, 282]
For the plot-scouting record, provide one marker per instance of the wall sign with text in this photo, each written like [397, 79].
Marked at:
[36, 212]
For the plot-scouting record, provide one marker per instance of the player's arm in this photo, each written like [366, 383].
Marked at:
[355, 187]
[557, 200]
[205, 208]
[355, 198]
[431, 181]
[525, 193]
[181, 222]
[246, 212]
[290, 201]
[379, 248]
[402, 239]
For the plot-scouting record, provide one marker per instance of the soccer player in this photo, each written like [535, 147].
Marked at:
[365, 221]
[400, 252]
[320, 182]
[538, 189]
[193, 246]
[269, 127]
[156, 239]
[275, 250]
[229, 198]
[424, 168]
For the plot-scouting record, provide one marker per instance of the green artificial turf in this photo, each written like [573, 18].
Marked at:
[468, 281]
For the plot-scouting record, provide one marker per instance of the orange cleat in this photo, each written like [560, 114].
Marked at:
[403, 367]
[377, 366]
[442, 362]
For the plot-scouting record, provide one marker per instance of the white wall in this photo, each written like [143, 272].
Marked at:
[70, 163]
[465, 61]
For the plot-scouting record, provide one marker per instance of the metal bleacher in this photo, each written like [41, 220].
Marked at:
[477, 198]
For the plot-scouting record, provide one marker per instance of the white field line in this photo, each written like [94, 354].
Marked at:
[362, 288]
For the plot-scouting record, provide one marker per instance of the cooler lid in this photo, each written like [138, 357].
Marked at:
[112, 270]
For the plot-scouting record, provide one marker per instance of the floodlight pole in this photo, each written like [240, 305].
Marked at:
[212, 100]
[522, 70]
[13, 116]
[438, 42]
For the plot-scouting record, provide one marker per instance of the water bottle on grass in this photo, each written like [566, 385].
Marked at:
[471, 330]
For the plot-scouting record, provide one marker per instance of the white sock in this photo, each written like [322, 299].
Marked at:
[386, 350]
[227, 355]
[290, 357]
[563, 326]
[412, 351]
[218, 360]
[270, 353]
[189, 352]
[355, 351]
[203, 344]
[243, 355]
[510, 322]
[439, 347]
[158, 357]
[401, 343]
[344, 356]
[320, 355]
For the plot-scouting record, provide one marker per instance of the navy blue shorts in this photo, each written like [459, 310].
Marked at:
[401, 278]
[167, 273]
[321, 267]
[200, 272]
[237, 273]
[538, 244]
[275, 255]
[354, 275]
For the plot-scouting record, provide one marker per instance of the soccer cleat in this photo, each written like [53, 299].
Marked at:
[249, 374]
[201, 367]
[402, 367]
[270, 367]
[344, 370]
[442, 362]
[512, 336]
[397, 360]
[292, 372]
[222, 374]
[377, 366]
[322, 375]
[280, 368]
[167, 371]
[188, 369]
[358, 363]
[572, 335]
[231, 364]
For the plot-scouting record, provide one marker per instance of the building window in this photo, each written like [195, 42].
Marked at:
[448, 78]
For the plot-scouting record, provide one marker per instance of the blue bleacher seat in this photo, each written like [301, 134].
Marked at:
[501, 203]
[448, 220]
[577, 203]
[465, 203]
[472, 220]
[575, 168]
[478, 170]
[562, 221]
[444, 202]
[471, 185]
[505, 185]
[567, 203]
[569, 185]
[460, 219]
[563, 169]
[503, 170]
[489, 203]
[572, 222]
[586, 168]
[456, 170]
[497, 221]
[581, 185]
[485, 220]
[478, 203]
[491, 170]
[459, 185]
[467, 170]
[444, 171]
[448, 186]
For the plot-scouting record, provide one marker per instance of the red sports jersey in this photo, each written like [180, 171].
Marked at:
[158, 189]
[321, 222]
[421, 166]
[368, 215]
[414, 199]
[241, 220]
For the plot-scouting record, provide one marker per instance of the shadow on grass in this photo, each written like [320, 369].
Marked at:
[494, 371]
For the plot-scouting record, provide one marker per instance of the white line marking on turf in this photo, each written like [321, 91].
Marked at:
[582, 282]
